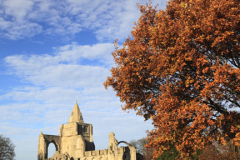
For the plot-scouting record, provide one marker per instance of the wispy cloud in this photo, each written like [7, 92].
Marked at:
[108, 19]
[64, 67]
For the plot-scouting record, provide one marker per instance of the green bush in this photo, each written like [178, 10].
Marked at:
[173, 153]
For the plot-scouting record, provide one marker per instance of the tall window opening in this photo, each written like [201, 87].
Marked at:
[51, 149]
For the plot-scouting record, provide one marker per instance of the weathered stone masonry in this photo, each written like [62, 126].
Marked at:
[75, 142]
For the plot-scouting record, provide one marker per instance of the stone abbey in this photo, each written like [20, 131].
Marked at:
[75, 142]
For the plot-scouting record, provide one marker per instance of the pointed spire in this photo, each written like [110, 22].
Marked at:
[76, 115]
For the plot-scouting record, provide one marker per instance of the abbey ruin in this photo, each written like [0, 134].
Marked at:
[75, 142]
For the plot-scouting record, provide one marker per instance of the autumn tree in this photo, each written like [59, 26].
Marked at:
[6, 149]
[181, 68]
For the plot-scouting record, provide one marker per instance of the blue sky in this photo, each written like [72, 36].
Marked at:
[54, 52]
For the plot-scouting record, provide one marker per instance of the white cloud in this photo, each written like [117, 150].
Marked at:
[66, 76]
[18, 9]
[38, 94]
[17, 30]
[64, 67]
[73, 52]
[108, 19]
[4, 24]
[13, 21]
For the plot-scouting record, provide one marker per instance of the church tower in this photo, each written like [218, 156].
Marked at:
[76, 126]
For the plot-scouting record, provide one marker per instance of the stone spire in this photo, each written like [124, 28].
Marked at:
[76, 115]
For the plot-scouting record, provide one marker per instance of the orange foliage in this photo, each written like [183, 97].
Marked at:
[182, 70]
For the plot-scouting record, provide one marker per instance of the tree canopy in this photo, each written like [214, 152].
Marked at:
[181, 68]
[6, 149]
[140, 148]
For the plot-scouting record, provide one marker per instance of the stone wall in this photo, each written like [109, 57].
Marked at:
[97, 154]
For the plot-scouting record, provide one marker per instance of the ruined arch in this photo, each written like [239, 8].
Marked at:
[45, 140]
[55, 144]
[125, 143]
[131, 148]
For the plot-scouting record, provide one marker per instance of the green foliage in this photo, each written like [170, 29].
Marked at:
[170, 154]
[173, 153]
[196, 155]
